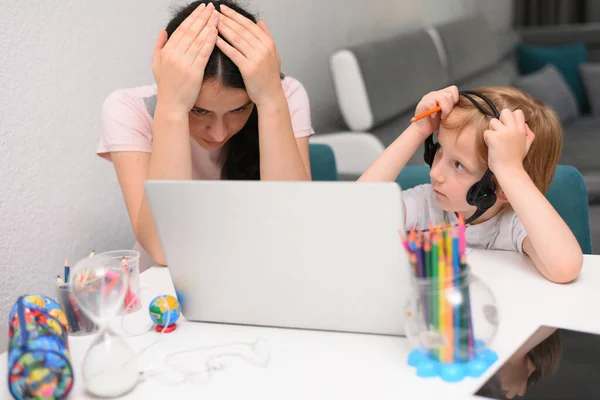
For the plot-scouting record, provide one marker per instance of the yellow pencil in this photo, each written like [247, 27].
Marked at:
[88, 272]
[85, 275]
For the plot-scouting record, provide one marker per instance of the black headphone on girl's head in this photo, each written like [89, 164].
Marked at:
[483, 192]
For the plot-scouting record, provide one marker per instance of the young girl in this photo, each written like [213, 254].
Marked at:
[220, 109]
[488, 166]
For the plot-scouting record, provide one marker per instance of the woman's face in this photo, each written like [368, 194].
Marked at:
[219, 113]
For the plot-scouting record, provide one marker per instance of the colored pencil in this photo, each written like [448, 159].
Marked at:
[427, 250]
[67, 271]
[128, 294]
[81, 322]
[405, 244]
[420, 258]
[450, 307]
[412, 257]
[440, 291]
[422, 274]
[111, 285]
[426, 114]
[434, 287]
[457, 307]
[461, 234]
[86, 274]
[428, 308]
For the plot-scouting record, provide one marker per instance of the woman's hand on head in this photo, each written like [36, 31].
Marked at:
[178, 64]
[446, 99]
[508, 140]
[251, 47]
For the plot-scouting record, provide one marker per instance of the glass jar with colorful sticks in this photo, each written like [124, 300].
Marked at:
[451, 316]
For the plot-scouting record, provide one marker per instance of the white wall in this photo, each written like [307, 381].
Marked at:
[58, 200]
[60, 58]
[499, 13]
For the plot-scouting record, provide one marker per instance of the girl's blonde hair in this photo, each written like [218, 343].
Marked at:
[542, 158]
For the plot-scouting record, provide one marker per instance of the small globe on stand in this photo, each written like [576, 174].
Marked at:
[164, 312]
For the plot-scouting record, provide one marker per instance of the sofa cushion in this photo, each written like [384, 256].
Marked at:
[565, 58]
[554, 35]
[376, 81]
[548, 85]
[322, 162]
[470, 46]
[590, 73]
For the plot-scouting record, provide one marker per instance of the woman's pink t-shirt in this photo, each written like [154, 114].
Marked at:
[127, 121]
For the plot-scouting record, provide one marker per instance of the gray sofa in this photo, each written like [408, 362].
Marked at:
[379, 84]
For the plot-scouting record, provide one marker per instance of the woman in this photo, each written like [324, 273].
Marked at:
[220, 109]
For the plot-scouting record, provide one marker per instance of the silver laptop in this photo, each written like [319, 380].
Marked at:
[312, 255]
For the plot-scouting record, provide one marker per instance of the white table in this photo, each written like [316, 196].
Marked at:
[326, 365]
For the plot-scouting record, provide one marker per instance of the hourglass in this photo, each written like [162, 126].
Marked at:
[99, 285]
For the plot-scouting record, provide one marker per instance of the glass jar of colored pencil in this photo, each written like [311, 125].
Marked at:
[451, 316]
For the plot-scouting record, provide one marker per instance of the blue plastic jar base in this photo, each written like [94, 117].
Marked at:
[416, 357]
[427, 367]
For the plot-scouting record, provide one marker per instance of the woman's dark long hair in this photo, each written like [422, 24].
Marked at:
[241, 158]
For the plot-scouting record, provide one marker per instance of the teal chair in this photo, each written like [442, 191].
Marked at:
[567, 194]
[322, 163]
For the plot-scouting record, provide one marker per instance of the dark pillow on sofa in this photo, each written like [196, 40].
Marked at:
[566, 58]
[549, 86]
[591, 82]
